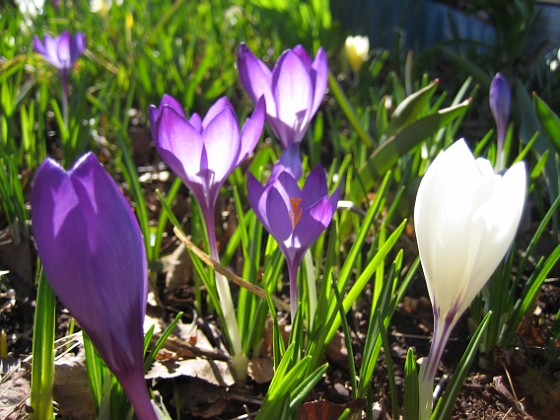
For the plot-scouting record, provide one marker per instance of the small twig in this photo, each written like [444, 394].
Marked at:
[234, 278]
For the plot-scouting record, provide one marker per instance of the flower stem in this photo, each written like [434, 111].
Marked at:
[239, 361]
[64, 82]
[135, 388]
[292, 273]
[428, 369]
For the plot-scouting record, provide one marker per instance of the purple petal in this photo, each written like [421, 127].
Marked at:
[278, 215]
[287, 186]
[223, 144]
[85, 230]
[293, 91]
[320, 78]
[179, 144]
[256, 78]
[39, 47]
[154, 112]
[77, 46]
[290, 162]
[93, 255]
[314, 221]
[302, 53]
[257, 199]
[170, 101]
[315, 187]
[500, 102]
[49, 50]
[218, 106]
[196, 122]
[251, 132]
[63, 49]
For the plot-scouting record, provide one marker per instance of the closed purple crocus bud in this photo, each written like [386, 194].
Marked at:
[500, 100]
[93, 255]
[294, 217]
[204, 152]
[62, 52]
[293, 90]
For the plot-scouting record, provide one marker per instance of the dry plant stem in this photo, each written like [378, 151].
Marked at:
[234, 278]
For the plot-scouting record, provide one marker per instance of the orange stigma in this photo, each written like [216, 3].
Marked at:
[295, 214]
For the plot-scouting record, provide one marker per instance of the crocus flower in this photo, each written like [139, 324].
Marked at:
[294, 217]
[293, 90]
[203, 153]
[357, 50]
[500, 100]
[94, 258]
[465, 217]
[62, 52]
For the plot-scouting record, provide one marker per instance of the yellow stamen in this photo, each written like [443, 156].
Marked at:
[295, 214]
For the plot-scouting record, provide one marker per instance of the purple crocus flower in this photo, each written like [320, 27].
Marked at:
[94, 258]
[500, 100]
[293, 90]
[62, 52]
[204, 152]
[294, 217]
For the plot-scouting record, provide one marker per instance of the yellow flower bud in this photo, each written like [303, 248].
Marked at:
[357, 50]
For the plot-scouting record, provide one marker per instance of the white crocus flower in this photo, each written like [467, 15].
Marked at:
[357, 50]
[465, 218]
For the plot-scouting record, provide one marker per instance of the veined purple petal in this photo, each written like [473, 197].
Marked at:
[179, 144]
[256, 193]
[313, 222]
[315, 187]
[218, 106]
[41, 48]
[292, 89]
[84, 230]
[93, 255]
[279, 216]
[48, 49]
[170, 101]
[63, 48]
[302, 53]
[154, 113]
[223, 144]
[251, 131]
[196, 122]
[290, 162]
[288, 187]
[320, 78]
[255, 77]
[77, 46]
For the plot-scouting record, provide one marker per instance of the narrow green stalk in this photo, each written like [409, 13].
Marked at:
[311, 287]
[239, 360]
[42, 370]
[294, 296]
[428, 369]
[349, 111]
